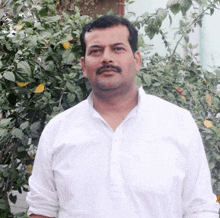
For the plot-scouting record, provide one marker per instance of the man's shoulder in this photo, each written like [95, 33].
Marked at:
[161, 105]
[167, 113]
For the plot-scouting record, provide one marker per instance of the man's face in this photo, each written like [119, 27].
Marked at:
[109, 62]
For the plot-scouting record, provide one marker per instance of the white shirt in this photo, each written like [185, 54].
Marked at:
[152, 166]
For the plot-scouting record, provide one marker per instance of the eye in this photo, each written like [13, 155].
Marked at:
[118, 49]
[95, 51]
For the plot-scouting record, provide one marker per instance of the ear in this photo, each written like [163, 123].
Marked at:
[138, 61]
[83, 66]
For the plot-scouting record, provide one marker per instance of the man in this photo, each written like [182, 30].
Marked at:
[120, 153]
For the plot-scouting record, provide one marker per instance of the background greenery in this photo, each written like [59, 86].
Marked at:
[40, 76]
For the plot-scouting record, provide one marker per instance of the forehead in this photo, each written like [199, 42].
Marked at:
[110, 35]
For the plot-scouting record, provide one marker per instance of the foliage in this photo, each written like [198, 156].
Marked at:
[40, 76]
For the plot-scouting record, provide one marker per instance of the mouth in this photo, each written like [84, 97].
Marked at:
[108, 69]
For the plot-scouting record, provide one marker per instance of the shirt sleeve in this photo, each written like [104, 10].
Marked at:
[199, 200]
[42, 197]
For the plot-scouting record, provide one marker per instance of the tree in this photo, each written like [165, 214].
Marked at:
[40, 76]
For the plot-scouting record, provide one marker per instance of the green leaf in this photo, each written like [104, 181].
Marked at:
[13, 198]
[3, 133]
[68, 57]
[147, 79]
[185, 6]
[24, 140]
[43, 12]
[110, 12]
[49, 66]
[156, 84]
[35, 127]
[150, 32]
[38, 7]
[51, 8]
[186, 37]
[25, 189]
[2, 12]
[21, 215]
[200, 24]
[171, 20]
[23, 71]
[217, 71]
[201, 2]
[71, 97]
[32, 41]
[161, 14]
[71, 86]
[8, 46]
[212, 10]
[79, 93]
[20, 190]
[17, 8]
[182, 24]
[154, 23]
[9, 76]
[17, 133]
[24, 67]
[3, 205]
[5, 122]
[175, 9]
[172, 2]
[24, 125]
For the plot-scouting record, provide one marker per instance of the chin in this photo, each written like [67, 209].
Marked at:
[107, 87]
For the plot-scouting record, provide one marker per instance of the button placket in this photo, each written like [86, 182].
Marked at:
[115, 167]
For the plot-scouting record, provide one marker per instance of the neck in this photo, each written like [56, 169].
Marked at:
[115, 101]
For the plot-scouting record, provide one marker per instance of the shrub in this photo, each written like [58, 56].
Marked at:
[40, 76]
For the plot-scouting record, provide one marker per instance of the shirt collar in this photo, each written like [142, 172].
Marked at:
[141, 94]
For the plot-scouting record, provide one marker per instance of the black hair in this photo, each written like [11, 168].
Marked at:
[110, 21]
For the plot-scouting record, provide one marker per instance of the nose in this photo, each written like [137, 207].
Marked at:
[107, 56]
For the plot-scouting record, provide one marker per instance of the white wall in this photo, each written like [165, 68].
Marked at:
[210, 40]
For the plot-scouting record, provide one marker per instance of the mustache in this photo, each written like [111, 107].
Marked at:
[109, 66]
